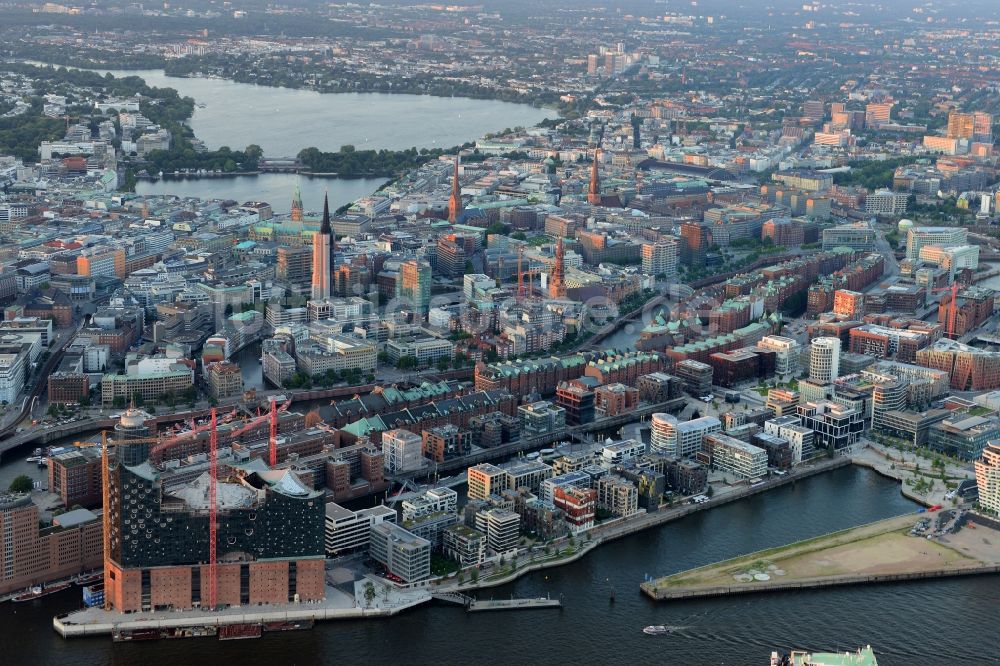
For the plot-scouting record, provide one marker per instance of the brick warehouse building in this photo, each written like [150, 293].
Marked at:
[270, 534]
[31, 554]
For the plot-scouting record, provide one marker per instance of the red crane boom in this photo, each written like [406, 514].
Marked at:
[213, 470]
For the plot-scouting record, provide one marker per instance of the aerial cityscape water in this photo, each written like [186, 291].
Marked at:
[741, 630]
[275, 188]
[500, 332]
[283, 121]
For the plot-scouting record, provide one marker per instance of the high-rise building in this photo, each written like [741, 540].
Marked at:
[680, 438]
[294, 265]
[695, 241]
[414, 284]
[660, 258]
[988, 477]
[322, 270]
[557, 279]
[824, 360]
[787, 352]
[976, 126]
[877, 114]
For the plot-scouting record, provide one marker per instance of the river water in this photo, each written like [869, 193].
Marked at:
[925, 623]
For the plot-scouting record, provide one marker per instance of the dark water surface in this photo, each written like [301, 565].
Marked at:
[935, 622]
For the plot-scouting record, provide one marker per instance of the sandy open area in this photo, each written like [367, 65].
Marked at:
[884, 547]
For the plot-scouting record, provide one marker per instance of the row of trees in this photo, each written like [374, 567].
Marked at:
[350, 162]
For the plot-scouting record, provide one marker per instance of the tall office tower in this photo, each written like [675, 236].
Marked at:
[824, 360]
[695, 241]
[877, 114]
[455, 201]
[414, 284]
[557, 285]
[636, 132]
[972, 126]
[323, 256]
[814, 109]
[297, 204]
[594, 193]
[294, 265]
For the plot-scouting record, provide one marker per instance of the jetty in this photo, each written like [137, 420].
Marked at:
[909, 547]
[474, 605]
[513, 604]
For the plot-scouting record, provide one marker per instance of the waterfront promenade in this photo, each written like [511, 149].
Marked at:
[338, 605]
[570, 549]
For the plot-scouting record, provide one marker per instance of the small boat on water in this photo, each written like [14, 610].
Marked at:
[91, 579]
[657, 629]
[39, 591]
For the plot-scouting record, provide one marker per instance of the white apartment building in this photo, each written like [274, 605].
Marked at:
[786, 355]
[348, 531]
[824, 360]
[403, 450]
[681, 439]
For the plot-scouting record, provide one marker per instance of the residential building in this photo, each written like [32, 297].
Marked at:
[617, 496]
[824, 360]
[733, 456]
[464, 545]
[403, 451]
[680, 439]
[988, 477]
[502, 528]
[486, 479]
[350, 531]
[401, 553]
[578, 504]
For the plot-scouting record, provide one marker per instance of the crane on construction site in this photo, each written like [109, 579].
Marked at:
[162, 443]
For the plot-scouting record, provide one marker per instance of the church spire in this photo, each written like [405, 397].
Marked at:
[455, 202]
[325, 226]
[594, 193]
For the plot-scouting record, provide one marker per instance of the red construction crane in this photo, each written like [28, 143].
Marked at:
[167, 442]
[213, 527]
[272, 440]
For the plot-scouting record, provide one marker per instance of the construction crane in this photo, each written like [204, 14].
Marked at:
[272, 416]
[166, 442]
[161, 443]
